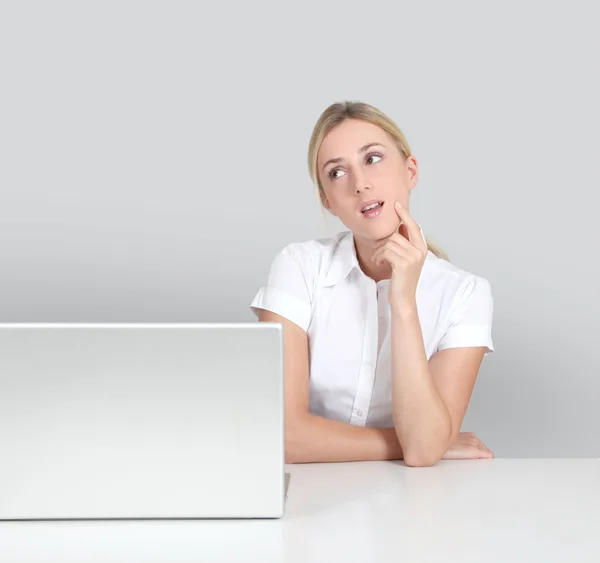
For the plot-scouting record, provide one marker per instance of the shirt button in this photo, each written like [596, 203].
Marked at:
[368, 366]
[359, 413]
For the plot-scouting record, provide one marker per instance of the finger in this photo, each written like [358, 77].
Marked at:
[408, 225]
[414, 233]
[479, 443]
[410, 255]
[403, 230]
[402, 248]
[386, 254]
[484, 450]
[463, 454]
[407, 245]
[479, 453]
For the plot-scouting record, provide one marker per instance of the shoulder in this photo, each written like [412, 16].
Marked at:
[320, 248]
[461, 302]
[452, 283]
[312, 256]
[294, 276]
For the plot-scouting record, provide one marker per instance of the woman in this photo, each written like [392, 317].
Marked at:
[383, 337]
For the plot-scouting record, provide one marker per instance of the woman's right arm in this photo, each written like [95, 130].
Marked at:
[310, 438]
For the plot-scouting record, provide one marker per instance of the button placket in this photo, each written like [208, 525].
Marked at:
[366, 376]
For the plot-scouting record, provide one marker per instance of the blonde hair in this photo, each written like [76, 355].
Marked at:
[337, 113]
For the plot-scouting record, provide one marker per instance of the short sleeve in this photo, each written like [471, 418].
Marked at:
[470, 321]
[287, 291]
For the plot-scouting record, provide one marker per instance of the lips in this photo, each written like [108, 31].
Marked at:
[370, 203]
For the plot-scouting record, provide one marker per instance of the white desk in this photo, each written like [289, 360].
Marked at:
[484, 511]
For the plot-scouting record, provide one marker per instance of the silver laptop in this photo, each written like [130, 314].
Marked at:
[159, 420]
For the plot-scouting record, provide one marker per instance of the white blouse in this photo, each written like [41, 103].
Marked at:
[319, 285]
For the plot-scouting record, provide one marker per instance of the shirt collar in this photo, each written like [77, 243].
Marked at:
[344, 258]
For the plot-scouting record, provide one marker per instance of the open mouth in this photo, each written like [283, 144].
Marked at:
[373, 209]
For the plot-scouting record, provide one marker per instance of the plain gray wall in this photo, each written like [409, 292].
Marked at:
[153, 162]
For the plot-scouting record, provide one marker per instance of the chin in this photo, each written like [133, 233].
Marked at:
[376, 231]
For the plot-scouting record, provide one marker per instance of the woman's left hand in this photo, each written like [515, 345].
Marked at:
[468, 446]
[406, 252]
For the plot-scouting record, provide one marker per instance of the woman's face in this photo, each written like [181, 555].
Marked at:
[359, 163]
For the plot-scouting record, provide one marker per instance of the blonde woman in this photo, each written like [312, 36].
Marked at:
[383, 336]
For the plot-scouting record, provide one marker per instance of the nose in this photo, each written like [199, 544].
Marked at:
[360, 182]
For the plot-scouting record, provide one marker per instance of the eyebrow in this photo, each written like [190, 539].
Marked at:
[362, 149]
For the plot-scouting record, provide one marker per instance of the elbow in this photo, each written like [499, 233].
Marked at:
[290, 452]
[293, 442]
[424, 456]
[420, 460]
[420, 454]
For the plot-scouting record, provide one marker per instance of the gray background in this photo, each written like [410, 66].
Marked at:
[153, 161]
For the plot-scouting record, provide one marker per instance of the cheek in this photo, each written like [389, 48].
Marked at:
[334, 203]
[339, 204]
[387, 171]
[390, 179]
[329, 199]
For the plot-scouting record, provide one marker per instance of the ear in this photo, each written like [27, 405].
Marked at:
[412, 172]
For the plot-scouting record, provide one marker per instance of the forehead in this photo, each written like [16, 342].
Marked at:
[348, 137]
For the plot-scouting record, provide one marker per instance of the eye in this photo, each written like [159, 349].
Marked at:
[332, 173]
[372, 156]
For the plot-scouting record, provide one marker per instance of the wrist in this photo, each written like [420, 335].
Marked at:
[406, 308]
[394, 449]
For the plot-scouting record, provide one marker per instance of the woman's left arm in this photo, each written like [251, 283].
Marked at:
[429, 399]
